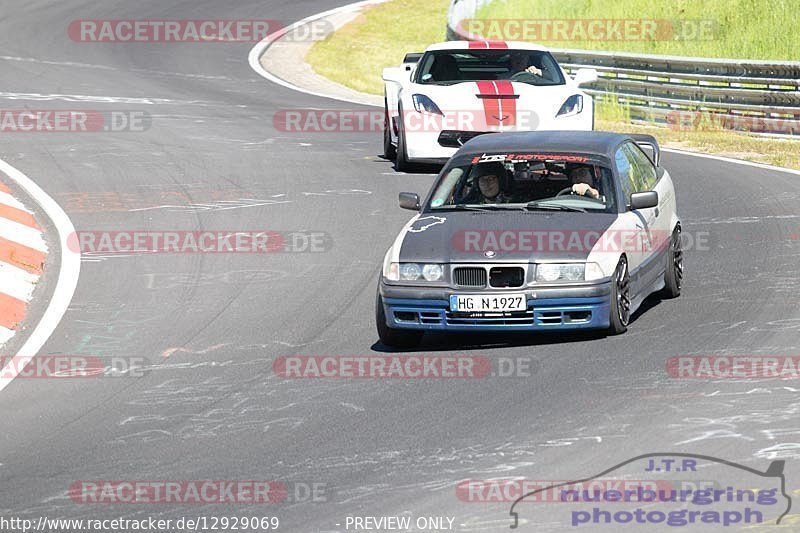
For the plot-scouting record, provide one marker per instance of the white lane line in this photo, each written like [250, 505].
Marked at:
[67, 276]
[40, 97]
[254, 58]
[7, 199]
[16, 282]
[22, 234]
[735, 161]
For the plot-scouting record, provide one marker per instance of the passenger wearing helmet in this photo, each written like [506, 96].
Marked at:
[489, 188]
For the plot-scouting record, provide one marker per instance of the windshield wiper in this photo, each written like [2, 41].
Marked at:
[555, 207]
[462, 207]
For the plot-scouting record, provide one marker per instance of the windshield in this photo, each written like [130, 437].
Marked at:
[448, 67]
[526, 182]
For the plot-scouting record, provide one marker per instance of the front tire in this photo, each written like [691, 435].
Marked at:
[389, 151]
[394, 338]
[402, 164]
[673, 276]
[620, 314]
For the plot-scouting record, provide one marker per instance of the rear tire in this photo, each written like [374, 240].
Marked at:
[620, 312]
[389, 151]
[673, 275]
[394, 338]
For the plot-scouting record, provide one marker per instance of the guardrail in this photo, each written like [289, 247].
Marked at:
[681, 92]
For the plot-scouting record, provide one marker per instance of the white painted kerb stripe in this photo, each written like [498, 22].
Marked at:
[10, 201]
[22, 234]
[16, 282]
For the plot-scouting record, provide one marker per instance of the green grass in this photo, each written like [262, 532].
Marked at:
[744, 29]
[356, 54]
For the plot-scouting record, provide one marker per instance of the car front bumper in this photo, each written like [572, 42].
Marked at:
[423, 143]
[548, 309]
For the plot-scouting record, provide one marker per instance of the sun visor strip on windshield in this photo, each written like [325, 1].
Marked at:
[476, 159]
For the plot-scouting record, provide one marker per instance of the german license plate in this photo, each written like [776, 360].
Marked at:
[488, 303]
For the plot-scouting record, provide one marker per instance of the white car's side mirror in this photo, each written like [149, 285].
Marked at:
[585, 75]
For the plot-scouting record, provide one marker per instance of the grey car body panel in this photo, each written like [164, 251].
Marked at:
[435, 243]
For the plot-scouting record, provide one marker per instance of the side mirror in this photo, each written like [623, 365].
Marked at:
[409, 200]
[644, 200]
[395, 74]
[411, 60]
[585, 75]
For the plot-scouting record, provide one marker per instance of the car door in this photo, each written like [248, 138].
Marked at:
[637, 223]
[654, 220]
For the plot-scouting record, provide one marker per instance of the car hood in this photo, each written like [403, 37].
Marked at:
[496, 105]
[513, 236]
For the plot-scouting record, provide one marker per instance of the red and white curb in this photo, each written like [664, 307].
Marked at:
[22, 255]
[66, 280]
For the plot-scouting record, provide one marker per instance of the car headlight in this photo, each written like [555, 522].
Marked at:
[410, 271]
[413, 272]
[549, 272]
[572, 106]
[423, 104]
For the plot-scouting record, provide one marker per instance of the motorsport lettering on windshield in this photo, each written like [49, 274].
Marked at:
[522, 158]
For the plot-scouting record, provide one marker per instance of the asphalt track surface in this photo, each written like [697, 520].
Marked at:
[213, 409]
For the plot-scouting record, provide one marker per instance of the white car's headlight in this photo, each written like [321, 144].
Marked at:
[423, 104]
[572, 106]
[549, 272]
[413, 272]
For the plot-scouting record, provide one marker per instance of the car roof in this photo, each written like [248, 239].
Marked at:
[490, 45]
[598, 143]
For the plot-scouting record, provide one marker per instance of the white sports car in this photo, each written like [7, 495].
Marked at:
[438, 100]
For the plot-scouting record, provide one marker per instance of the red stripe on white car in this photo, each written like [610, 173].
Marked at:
[498, 111]
[508, 106]
[488, 45]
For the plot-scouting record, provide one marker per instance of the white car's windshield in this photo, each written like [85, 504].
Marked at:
[447, 67]
[527, 182]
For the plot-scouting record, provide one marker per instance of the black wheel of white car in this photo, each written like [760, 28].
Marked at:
[394, 338]
[389, 150]
[673, 276]
[620, 313]
[401, 163]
